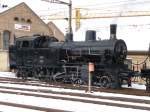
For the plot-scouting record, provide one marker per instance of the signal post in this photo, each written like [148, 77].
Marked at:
[91, 69]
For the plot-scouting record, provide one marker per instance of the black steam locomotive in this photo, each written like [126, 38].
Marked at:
[46, 58]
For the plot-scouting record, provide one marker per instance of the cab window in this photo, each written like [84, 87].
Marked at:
[25, 44]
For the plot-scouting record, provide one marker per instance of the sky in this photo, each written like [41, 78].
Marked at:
[135, 31]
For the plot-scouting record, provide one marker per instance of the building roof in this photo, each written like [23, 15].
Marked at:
[56, 31]
[27, 7]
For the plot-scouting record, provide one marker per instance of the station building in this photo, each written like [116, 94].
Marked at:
[139, 59]
[21, 21]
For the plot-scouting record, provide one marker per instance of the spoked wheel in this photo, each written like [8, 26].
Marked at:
[79, 81]
[58, 77]
[105, 81]
[41, 75]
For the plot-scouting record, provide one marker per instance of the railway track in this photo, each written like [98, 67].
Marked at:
[45, 92]
[33, 82]
[42, 109]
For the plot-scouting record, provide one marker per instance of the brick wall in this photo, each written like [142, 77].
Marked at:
[138, 59]
[4, 61]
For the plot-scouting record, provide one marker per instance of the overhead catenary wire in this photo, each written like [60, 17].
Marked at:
[103, 11]
[115, 4]
[102, 6]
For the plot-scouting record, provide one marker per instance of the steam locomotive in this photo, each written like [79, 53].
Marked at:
[46, 58]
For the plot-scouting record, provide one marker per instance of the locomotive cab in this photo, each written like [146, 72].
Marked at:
[34, 42]
[43, 41]
[33, 54]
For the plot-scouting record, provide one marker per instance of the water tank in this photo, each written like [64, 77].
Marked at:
[90, 35]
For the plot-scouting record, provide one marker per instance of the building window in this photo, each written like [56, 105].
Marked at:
[16, 18]
[6, 39]
[29, 21]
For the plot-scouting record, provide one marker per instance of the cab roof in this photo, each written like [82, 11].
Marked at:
[27, 38]
[31, 38]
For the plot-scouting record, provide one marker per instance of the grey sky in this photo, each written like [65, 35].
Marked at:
[135, 31]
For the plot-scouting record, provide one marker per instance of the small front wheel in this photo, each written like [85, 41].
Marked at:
[105, 81]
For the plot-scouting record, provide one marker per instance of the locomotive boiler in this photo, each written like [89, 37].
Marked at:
[46, 58]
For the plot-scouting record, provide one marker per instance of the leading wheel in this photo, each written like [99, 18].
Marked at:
[105, 81]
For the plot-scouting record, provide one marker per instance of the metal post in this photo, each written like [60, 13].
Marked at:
[91, 69]
[70, 17]
[137, 66]
[89, 83]
[70, 12]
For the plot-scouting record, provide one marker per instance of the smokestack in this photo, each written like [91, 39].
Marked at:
[113, 29]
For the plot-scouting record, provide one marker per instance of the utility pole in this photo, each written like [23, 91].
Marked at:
[70, 12]
[70, 17]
